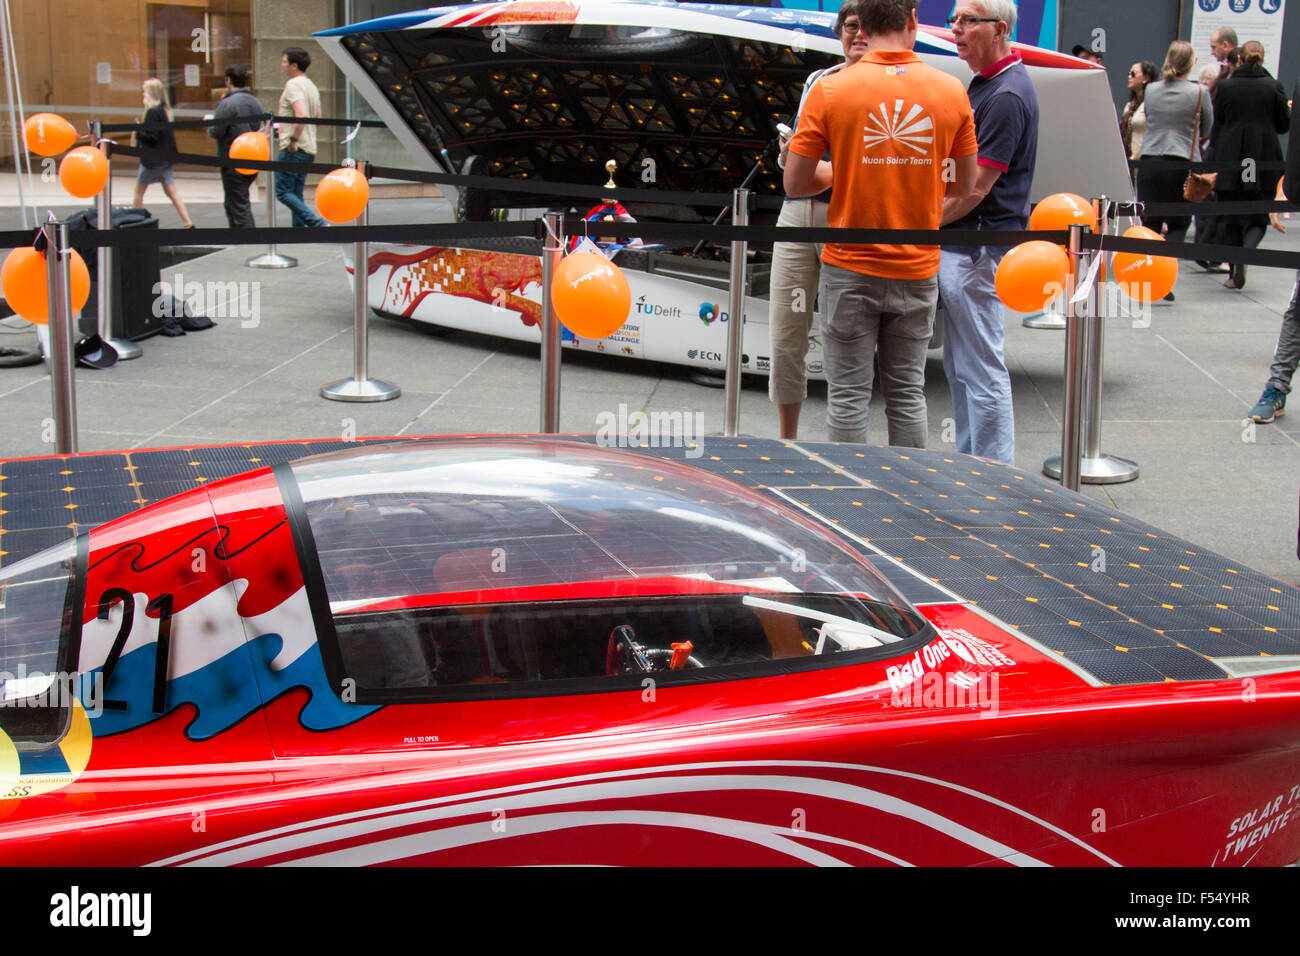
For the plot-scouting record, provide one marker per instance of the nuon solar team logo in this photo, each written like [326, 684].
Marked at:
[909, 127]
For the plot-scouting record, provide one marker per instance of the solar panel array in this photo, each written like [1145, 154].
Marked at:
[1119, 598]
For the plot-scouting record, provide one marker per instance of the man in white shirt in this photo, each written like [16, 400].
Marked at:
[297, 142]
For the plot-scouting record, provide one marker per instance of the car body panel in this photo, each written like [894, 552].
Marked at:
[979, 746]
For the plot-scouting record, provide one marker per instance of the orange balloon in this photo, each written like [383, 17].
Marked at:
[252, 145]
[24, 281]
[48, 134]
[342, 195]
[1031, 275]
[1142, 232]
[84, 171]
[591, 295]
[1060, 211]
[1142, 276]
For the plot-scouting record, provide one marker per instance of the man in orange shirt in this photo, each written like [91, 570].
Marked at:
[901, 136]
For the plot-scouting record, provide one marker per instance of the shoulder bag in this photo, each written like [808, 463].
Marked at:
[1198, 185]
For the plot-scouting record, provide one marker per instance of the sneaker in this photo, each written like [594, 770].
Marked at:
[1271, 405]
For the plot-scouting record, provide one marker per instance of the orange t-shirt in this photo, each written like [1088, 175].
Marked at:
[889, 122]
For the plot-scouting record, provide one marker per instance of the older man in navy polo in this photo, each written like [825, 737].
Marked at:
[1006, 125]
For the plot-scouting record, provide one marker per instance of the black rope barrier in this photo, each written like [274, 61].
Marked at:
[454, 232]
[1209, 209]
[158, 125]
[1203, 165]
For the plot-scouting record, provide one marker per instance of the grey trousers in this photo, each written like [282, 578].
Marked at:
[1287, 355]
[864, 313]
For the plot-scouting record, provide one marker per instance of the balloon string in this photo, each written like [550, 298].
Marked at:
[1085, 288]
[555, 240]
[1135, 217]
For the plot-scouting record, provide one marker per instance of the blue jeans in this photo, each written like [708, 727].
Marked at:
[288, 189]
[973, 358]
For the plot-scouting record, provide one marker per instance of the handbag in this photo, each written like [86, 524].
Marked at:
[1198, 185]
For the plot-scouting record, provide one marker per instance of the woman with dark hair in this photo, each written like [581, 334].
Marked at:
[1250, 112]
[1178, 113]
[1133, 121]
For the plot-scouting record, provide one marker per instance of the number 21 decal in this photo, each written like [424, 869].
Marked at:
[163, 605]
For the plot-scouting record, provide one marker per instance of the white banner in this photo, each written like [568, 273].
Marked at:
[1252, 19]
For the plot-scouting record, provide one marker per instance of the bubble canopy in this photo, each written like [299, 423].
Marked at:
[495, 566]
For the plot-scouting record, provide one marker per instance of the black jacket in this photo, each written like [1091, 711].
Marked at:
[238, 112]
[1249, 113]
[156, 138]
[1291, 184]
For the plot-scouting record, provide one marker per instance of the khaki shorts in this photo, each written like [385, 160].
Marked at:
[796, 267]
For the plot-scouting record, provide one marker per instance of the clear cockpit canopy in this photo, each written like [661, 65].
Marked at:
[559, 544]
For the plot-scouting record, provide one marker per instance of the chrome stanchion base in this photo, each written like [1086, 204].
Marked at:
[358, 390]
[271, 260]
[1044, 320]
[125, 350]
[1106, 470]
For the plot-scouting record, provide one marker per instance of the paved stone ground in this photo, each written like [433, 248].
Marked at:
[1177, 388]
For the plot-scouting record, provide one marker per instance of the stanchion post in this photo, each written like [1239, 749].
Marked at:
[58, 278]
[1046, 319]
[1099, 468]
[1096, 468]
[552, 248]
[271, 259]
[104, 266]
[360, 387]
[1068, 465]
[739, 250]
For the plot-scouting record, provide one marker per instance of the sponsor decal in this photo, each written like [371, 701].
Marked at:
[1260, 823]
[31, 773]
[901, 128]
[703, 355]
[642, 307]
[926, 680]
[711, 312]
[972, 649]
